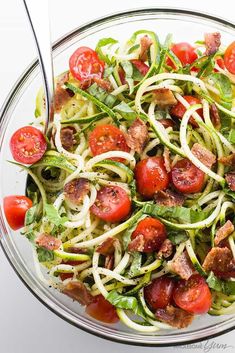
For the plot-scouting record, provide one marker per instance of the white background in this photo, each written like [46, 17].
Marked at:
[26, 326]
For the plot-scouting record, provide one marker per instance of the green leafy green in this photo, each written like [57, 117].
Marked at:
[102, 95]
[231, 136]
[227, 287]
[124, 302]
[44, 255]
[137, 76]
[103, 43]
[30, 215]
[164, 52]
[126, 238]
[125, 111]
[53, 215]
[135, 264]
[133, 48]
[128, 68]
[177, 236]
[223, 84]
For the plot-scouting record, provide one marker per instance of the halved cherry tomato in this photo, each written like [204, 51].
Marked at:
[153, 231]
[151, 176]
[220, 62]
[141, 66]
[85, 64]
[67, 275]
[28, 145]
[112, 204]
[100, 309]
[15, 208]
[179, 110]
[185, 53]
[193, 295]
[229, 58]
[105, 138]
[159, 293]
[186, 177]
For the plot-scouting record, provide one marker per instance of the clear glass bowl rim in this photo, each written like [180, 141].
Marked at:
[144, 340]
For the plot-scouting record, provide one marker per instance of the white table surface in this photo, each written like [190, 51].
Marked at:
[26, 326]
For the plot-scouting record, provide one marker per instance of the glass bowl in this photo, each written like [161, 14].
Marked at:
[18, 111]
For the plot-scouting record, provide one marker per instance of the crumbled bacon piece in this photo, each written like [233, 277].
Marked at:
[67, 137]
[107, 247]
[167, 123]
[48, 242]
[167, 159]
[137, 244]
[215, 117]
[109, 261]
[61, 95]
[145, 43]
[104, 84]
[182, 266]
[78, 291]
[76, 189]
[230, 178]
[175, 317]
[218, 259]
[166, 250]
[137, 136]
[204, 155]
[223, 232]
[228, 160]
[164, 97]
[169, 198]
[212, 42]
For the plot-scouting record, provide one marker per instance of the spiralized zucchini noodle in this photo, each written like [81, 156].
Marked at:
[102, 245]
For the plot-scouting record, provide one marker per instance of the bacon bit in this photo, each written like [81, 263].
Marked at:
[104, 84]
[212, 42]
[137, 136]
[145, 43]
[78, 291]
[175, 317]
[164, 97]
[85, 84]
[137, 244]
[223, 232]
[218, 259]
[167, 123]
[76, 189]
[204, 155]
[76, 250]
[169, 198]
[182, 265]
[62, 95]
[215, 117]
[107, 247]
[167, 159]
[166, 250]
[230, 178]
[109, 261]
[48, 242]
[228, 160]
[67, 137]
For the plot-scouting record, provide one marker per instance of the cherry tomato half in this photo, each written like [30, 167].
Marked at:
[193, 295]
[179, 110]
[153, 231]
[15, 208]
[112, 204]
[229, 58]
[105, 138]
[28, 145]
[84, 64]
[186, 177]
[151, 176]
[100, 309]
[141, 66]
[159, 293]
[185, 53]
[220, 62]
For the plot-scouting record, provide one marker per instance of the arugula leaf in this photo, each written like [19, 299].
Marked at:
[163, 53]
[53, 215]
[30, 215]
[223, 84]
[142, 283]
[124, 302]
[125, 110]
[102, 95]
[103, 43]
[128, 68]
[227, 287]
[44, 255]
[177, 236]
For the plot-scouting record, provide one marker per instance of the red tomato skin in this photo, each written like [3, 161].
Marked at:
[186, 177]
[185, 53]
[28, 145]
[193, 295]
[84, 64]
[154, 233]
[159, 293]
[229, 58]
[140, 66]
[100, 309]
[220, 62]
[112, 204]
[15, 208]
[178, 110]
[151, 176]
[105, 138]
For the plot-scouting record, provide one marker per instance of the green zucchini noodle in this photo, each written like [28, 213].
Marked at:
[99, 252]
